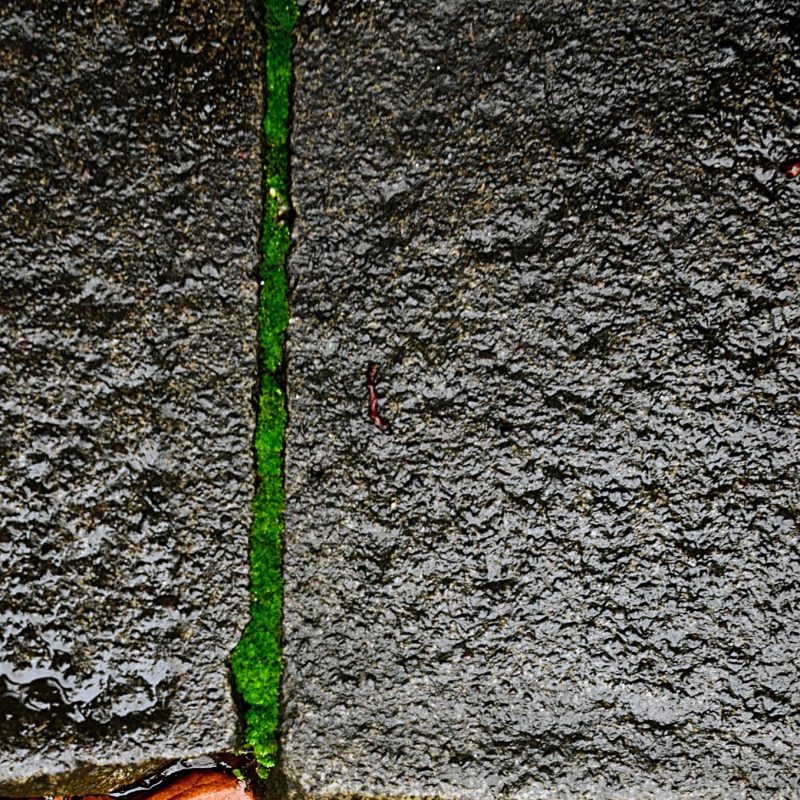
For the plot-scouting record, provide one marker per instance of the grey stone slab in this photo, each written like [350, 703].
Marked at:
[562, 231]
[129, 144]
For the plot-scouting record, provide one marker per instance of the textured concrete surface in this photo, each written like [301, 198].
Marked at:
[562, 232]
[129, 138]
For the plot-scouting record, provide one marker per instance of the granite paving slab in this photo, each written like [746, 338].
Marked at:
[563, 233]
[130, 187]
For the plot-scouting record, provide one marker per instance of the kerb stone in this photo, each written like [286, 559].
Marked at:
[563, 233]
[129, 139]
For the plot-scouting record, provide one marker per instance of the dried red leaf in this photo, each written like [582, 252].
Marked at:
[207, 784]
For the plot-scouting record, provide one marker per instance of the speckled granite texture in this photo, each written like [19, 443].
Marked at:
[571, 570]
[129, 139]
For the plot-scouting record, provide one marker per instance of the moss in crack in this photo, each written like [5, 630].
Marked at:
[256, 661]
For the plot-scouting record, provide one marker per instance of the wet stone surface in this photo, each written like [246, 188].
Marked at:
[129, 138]
[563, 233]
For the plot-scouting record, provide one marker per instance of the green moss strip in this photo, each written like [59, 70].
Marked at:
[256, 660]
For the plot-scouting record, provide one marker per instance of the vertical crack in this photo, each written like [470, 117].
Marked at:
[256, 661]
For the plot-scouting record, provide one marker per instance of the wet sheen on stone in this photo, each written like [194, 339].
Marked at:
[129, 138]
[563, 232]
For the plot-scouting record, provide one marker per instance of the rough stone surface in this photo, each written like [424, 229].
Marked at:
[129, 139]
[571, 570]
